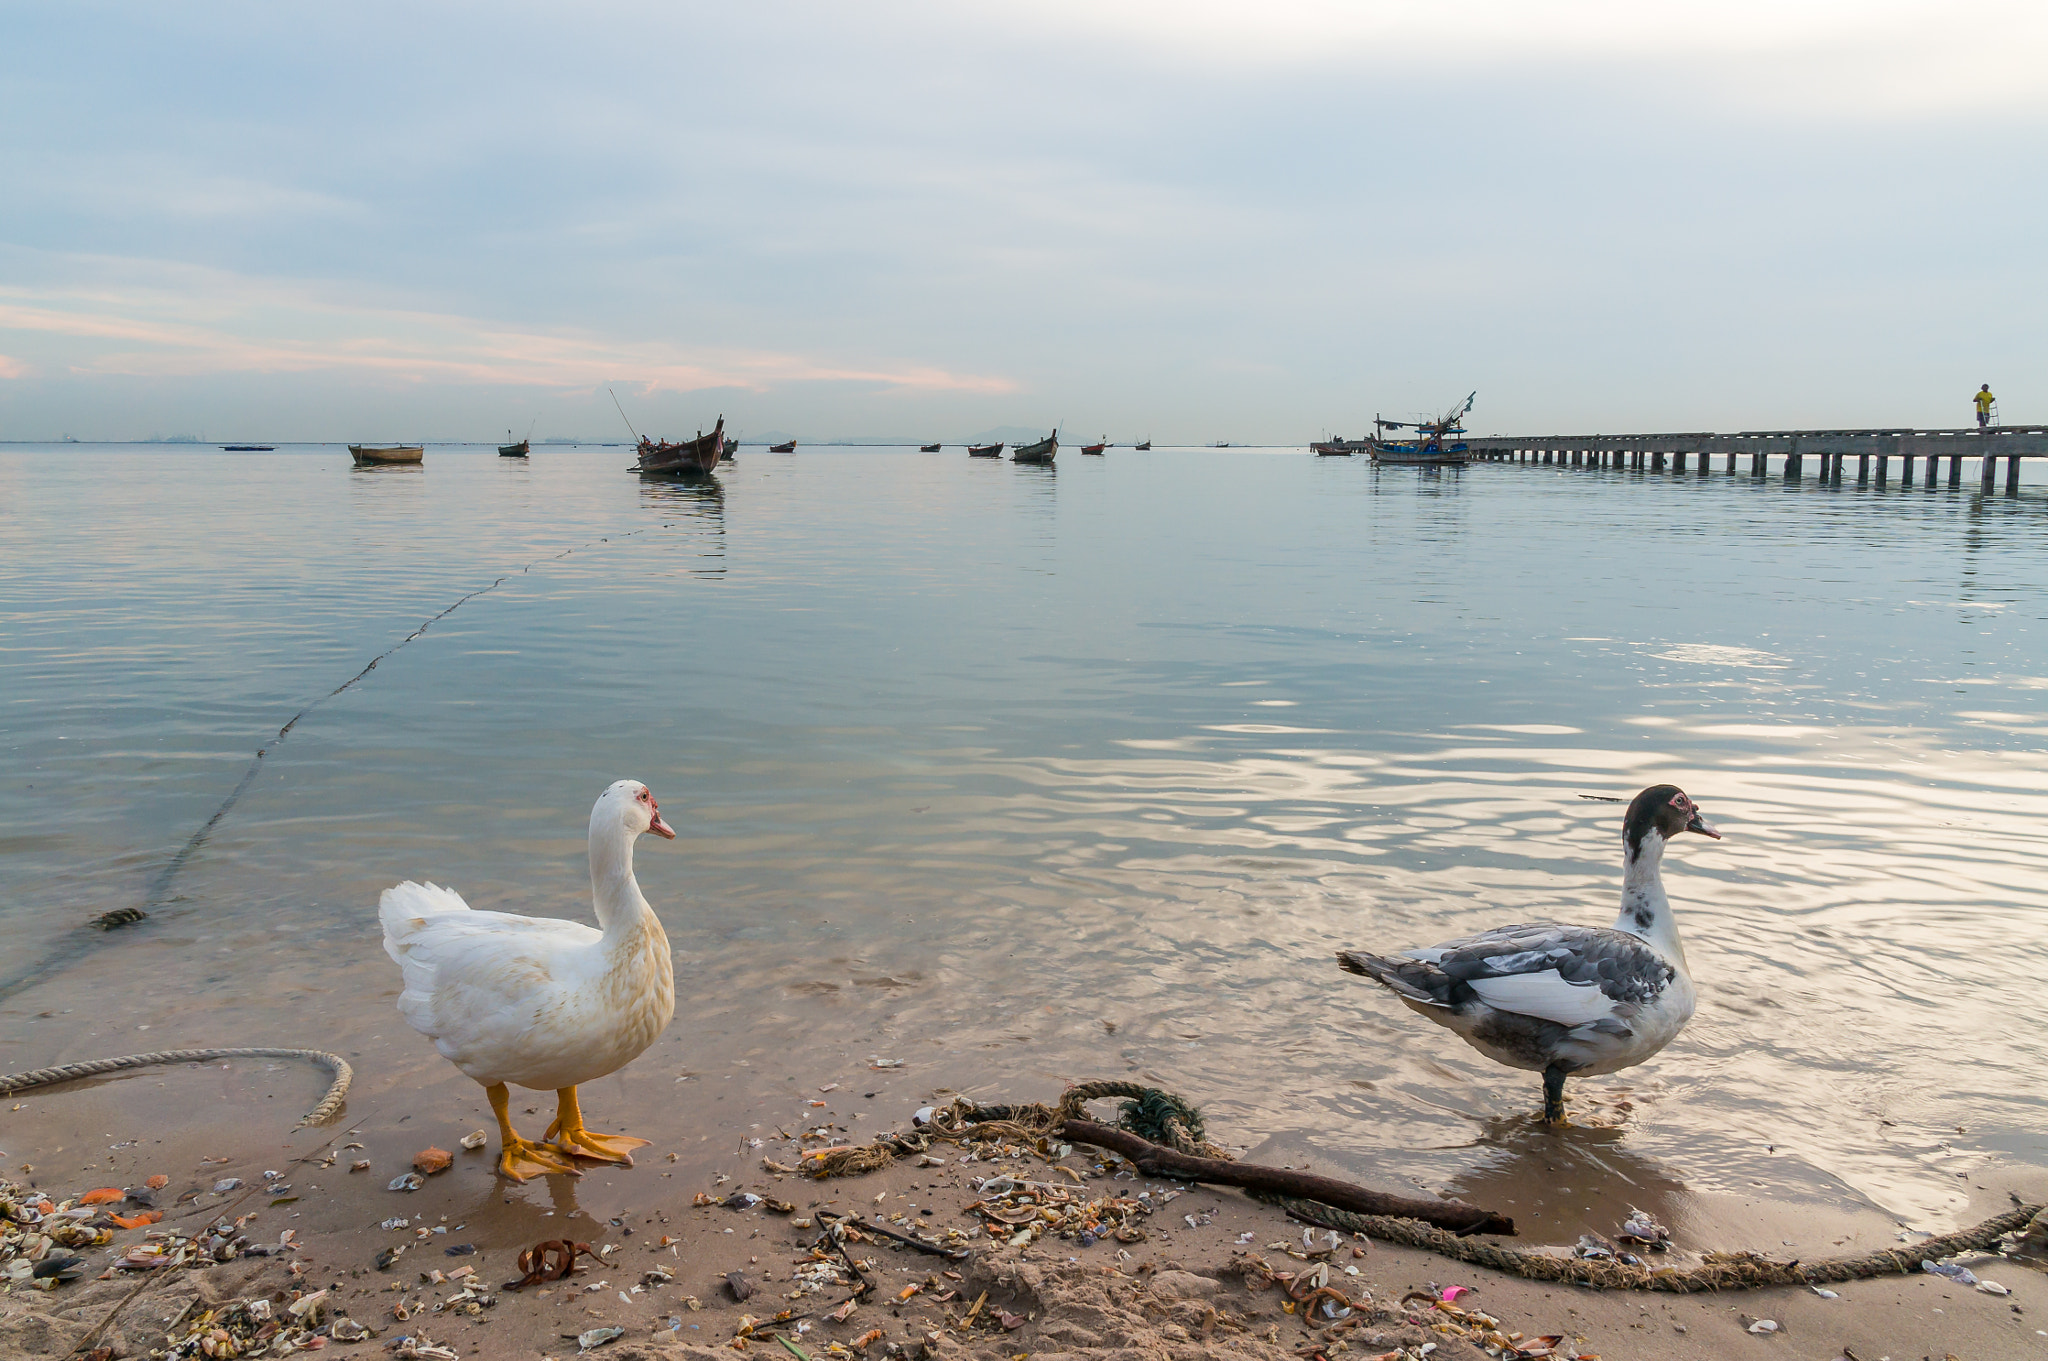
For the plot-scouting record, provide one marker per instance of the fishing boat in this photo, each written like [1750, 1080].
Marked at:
[788, 447]
[927, 448]
[249, 448]
[1094, 448]
[985, 450]
[1144, 448]
[1429, 448]
[370, 455]
[1336, 446]
[1042, 452]
[688, 458]
[519, 450]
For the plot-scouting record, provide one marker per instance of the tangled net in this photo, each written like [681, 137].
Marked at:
[1171, 1121]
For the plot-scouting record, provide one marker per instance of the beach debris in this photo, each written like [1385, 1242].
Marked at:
[431, 1160]
[844, 1311]
[105, 1195]
[359, 1165]
[459, 1250]
[390, 1255]
[157, 1182]
[474, 1140]
[741, 1200]
[1954, 1271]
[1639, 1227]
[1825, 1294]
[1449, 1294]
[1764, 1325]
[866, 1340]
[1992, 1288]
[407, 1181]
[742, 1289]
[227, 1184]
[549, 1261]
[120, 916]
[885, 1063]
[395, 1222]
[597, 1337]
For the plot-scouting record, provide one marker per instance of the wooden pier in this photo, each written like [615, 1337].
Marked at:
[1873, 450]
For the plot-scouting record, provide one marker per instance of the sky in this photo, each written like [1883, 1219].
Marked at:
[1181, 219]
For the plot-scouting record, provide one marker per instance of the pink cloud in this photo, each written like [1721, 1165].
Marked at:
[10, 367]
[267, 331]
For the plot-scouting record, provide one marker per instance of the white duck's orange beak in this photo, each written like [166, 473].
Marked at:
[657, 826]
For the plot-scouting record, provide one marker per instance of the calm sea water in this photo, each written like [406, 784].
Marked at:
[1023, 776]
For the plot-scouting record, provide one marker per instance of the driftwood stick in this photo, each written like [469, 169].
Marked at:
[1157, 1161]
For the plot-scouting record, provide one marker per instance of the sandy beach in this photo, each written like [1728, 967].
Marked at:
[1195, 1282]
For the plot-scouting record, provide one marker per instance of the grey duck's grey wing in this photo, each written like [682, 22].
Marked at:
[1623, 970]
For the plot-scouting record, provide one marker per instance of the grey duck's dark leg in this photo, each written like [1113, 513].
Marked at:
[1553, 1094]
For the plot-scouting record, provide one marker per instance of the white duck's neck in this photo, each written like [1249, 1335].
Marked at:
[614, 892]
[1645, 910]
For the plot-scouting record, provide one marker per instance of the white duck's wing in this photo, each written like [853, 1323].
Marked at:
[1570, 975]
[478, 983]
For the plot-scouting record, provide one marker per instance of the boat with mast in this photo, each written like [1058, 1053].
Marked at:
[1043, 452]
[1434, 445]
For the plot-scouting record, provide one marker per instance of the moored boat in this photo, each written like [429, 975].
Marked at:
[985, 450]
[1146, 447]
[928, 448]
[367, 455]
[519, 450]
[1429, 447]
[689, 458]
[1044, 451]
[249, 448]
[1336, 446]
[1094, 448]
[788, 447]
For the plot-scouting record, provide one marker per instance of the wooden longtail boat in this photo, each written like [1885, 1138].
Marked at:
[689, 458]
[519, 450]
[367, 455]
[928, 448]
[1094, 448]
[985, 450]
[787, 448]
[1042, 452]
[1146, 447]
[1336, 446]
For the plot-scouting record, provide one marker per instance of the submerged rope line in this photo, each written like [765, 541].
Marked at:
[160, 886]
[337, 1090]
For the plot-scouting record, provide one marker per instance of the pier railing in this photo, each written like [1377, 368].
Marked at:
[1872, 449]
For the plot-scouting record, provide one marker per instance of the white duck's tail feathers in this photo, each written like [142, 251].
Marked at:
[407, 908]
[1411, 979]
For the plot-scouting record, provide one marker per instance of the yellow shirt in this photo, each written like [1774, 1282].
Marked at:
[1984, 401]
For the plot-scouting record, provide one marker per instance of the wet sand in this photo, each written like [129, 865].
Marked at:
[1103, 1300]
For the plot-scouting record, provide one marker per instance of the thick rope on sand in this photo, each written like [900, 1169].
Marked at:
[1719, 1270]
[1166, 1119]
[337, 1091]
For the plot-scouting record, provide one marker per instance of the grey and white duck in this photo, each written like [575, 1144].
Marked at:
[1565, 1000]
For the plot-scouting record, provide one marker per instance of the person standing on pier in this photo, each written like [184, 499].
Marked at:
[1984, 399]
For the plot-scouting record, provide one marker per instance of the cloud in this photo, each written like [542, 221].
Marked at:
[151, 320]
[11, 367]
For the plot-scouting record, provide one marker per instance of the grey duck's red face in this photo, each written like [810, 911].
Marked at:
[1668, 809]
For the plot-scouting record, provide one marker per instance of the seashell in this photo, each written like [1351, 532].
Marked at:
[475, 1140]
[431, 1160]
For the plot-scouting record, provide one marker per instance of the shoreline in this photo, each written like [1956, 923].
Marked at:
[1177, 1293]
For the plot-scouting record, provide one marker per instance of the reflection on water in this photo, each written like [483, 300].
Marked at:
[1023, 788]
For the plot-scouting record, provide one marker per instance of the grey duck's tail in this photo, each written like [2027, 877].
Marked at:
[1412, 979]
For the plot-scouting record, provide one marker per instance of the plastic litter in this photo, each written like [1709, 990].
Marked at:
[1954, 1271]
[227, 1184]
[597, 1337]
[408, 1181]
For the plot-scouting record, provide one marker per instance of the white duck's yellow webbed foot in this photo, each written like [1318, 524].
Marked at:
[568, 1134]
[523, 1158]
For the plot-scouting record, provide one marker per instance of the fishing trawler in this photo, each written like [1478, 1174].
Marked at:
[1428, 448]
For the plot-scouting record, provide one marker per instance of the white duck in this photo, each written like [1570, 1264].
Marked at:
[538, 1002]
[1566, 999]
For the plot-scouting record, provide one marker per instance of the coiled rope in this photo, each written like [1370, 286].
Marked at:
[1169, 1120]
[337, 1090]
